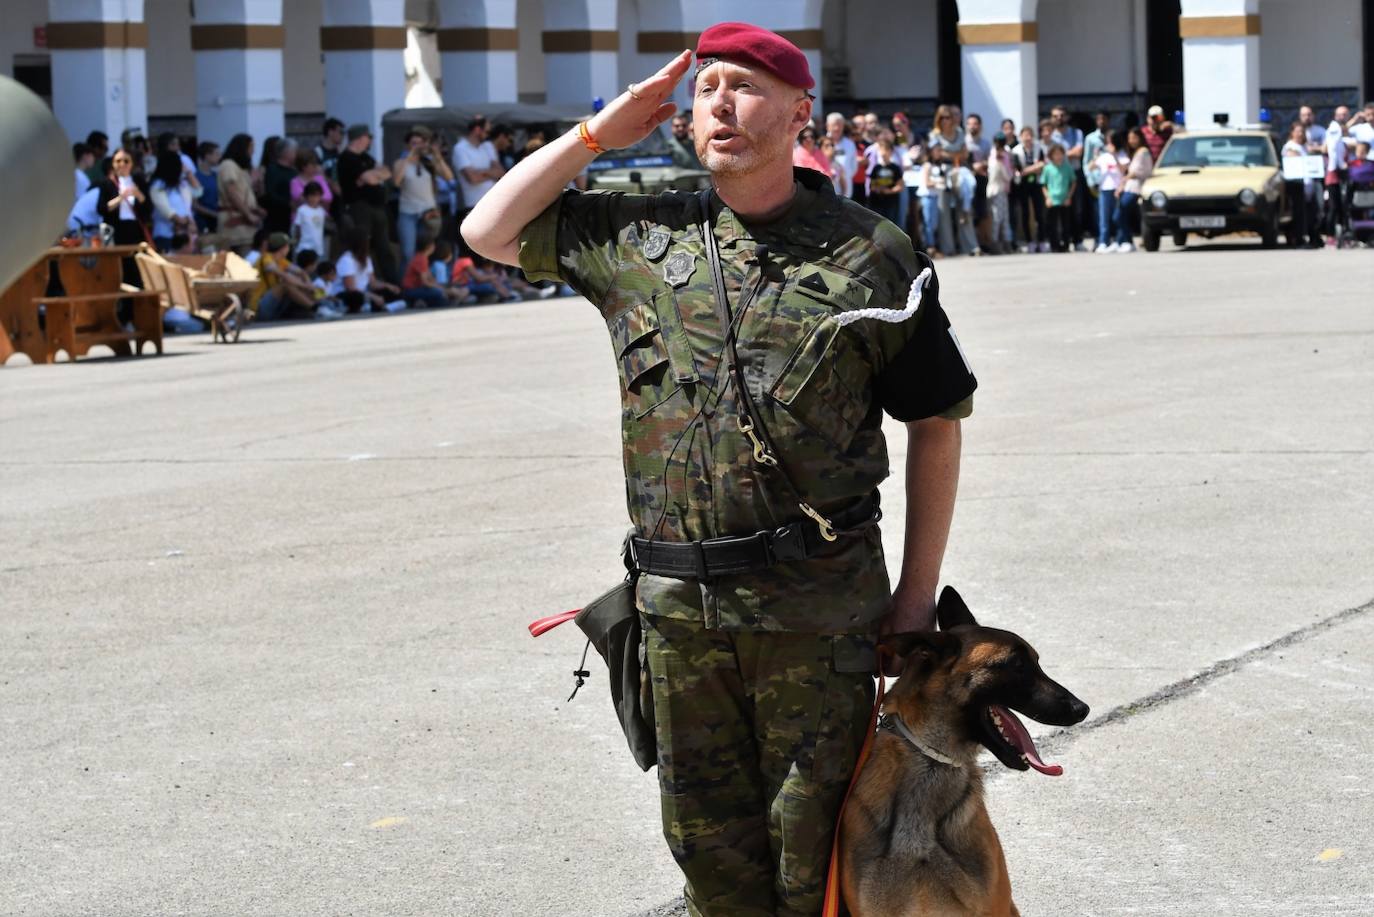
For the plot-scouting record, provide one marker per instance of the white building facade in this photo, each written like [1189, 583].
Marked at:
[212, 68]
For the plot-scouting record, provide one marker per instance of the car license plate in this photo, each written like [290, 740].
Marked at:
[1202, 222]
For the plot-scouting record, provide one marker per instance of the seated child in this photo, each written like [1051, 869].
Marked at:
[280, 283]
[483, 280]
[418, 286]
[441, 266]
[326, 309]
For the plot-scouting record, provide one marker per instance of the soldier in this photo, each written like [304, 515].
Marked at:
[752, 406]
[680, 143]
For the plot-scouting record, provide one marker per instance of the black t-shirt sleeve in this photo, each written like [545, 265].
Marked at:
[929, 376]
[919, 368]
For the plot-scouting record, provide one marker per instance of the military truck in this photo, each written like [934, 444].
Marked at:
[647, 167]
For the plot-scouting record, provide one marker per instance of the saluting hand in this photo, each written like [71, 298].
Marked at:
[641, 108]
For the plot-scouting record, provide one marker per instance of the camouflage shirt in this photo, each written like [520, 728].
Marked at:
[825, 348]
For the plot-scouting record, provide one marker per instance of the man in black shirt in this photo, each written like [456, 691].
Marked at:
[362, 189]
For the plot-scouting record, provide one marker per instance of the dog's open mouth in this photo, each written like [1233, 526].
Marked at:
[1006, 730]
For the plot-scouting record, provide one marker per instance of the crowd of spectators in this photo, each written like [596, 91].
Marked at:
[1043, 187]
[330, 230]
[333, 231]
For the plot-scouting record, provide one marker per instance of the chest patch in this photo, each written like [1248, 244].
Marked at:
[833, 289]
[655, 245]
[679, 267]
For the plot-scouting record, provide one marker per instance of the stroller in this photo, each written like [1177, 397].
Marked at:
[1359, 205]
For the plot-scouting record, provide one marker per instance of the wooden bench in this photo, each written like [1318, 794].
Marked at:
[20, 331]
[86, 316]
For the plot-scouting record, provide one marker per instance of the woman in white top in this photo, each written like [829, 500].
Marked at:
[1141, 165]
[355, 284]
[1302, 193]
[1109, 170]
[172, 191]
[415, 173]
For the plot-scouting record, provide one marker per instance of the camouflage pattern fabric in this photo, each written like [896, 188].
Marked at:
[819, 385]
[758, 735]
[761, 681]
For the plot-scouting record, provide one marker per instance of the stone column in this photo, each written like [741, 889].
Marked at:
[364, 45]
[581, 51]
[238, 69]
[997, 41]
[662, 33]
[477, 45]
[1221, 71]
[99, 79]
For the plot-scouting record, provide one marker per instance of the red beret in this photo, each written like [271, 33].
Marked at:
[742, 43]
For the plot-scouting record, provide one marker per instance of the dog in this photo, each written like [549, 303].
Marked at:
[915, 838]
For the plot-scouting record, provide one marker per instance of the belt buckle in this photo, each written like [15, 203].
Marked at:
[788, 544]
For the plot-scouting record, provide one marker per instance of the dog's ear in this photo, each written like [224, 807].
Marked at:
[951, 610]
[926, 644]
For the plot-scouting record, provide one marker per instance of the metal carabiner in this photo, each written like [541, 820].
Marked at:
[761, 453]
[827, 530]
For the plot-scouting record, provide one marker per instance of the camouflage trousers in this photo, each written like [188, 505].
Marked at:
[758, 733]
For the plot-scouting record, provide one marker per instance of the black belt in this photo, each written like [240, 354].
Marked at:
[743, 553]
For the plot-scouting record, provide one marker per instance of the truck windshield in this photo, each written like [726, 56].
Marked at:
[1218, 151]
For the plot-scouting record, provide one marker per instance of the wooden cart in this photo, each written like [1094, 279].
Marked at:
[202, 285]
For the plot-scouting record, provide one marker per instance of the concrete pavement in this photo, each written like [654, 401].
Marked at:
[263, 647]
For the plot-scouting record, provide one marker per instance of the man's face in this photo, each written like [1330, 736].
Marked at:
[334, 136]
[478, 134]
[746, 119]
[974, 125]
[682, 128]
[1305, 116]
[871, 125]
[1103, 122]
[361, 144]
[834, 129]
[503, 143]
[1059, 116]
[1341, 114]
[418, 144]
[212, 158]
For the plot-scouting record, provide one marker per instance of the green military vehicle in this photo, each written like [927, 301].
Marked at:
[647, 167]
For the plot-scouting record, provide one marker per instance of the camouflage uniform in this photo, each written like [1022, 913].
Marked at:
[762, 681]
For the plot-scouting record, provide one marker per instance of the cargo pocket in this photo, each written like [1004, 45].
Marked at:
[807, 805]
[642, 345]
[824, 384]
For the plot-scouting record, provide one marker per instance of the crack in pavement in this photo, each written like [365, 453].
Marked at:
[1184, 687]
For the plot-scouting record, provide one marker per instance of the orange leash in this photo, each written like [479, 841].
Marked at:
[832, 879]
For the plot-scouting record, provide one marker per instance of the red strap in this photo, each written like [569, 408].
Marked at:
[832, 879]
[543, 625]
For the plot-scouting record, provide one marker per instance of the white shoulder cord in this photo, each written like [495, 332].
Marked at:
[913, 303]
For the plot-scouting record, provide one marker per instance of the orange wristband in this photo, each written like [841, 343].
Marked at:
[585, 135]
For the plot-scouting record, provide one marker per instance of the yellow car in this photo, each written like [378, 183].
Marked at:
[1214, 182]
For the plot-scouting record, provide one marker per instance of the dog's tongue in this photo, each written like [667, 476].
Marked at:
[1016, 732]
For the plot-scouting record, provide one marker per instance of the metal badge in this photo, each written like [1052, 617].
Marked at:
[678, 269]
[655, 245]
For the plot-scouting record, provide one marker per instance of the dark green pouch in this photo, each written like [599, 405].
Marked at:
[611, 623]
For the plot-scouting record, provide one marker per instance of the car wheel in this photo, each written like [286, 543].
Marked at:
[1149, 239]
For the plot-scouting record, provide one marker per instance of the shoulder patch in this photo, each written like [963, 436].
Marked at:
[913, 305]
[833, 289]
[655, 245]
